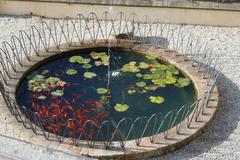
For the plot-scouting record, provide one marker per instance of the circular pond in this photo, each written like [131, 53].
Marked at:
[69, 89]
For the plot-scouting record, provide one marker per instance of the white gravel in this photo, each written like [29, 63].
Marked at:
[222, 138]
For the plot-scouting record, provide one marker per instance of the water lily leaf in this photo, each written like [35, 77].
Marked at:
[172, 70]
[31, 75]
[147, 76]
[151, 87]
[105, 62]
[159, 82]
[149, 57]
[71, 72]
[52, 80]
[38, 78]
[132, 63]
[98, 63]
[89, 75]
[141, 84]
[86, 60]
[101, 55]
[143, 65]
[102, 90]
[132, 91]
[130, 67]
[160, 66]
[158, 99]
[42, 97]
[94, 55]
[182, 82]
[169, 80]
[87, 66]
[76, 59]
[139, 75]
[121, 107]
[57, 93]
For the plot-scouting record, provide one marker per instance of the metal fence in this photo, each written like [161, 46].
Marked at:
[56, 34]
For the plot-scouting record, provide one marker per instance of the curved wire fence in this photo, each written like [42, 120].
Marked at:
[53, 36]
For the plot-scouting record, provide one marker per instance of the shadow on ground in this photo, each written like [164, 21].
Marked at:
[224, 123]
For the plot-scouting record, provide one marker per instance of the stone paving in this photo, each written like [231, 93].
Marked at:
[222, 138]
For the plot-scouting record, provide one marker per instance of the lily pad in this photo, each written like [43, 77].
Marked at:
[141, 84]
[76, 59]
[57, 93]
[159, 82]
[172, 70]
[132, 91]
[151, 87]
[71, 72]
[160, 66]
[41, 97]
[158, 99]
[98, 63]
[182, 82]
[139, 75]
[87, 66]
[149, 57]
[147, 76]
[89, 75]
[143, 65]
[102, 90]
[121, 107]
[130, 67]
[86, 60]
[169, 80]
[38, 78]
[94, 55]
[33, 74]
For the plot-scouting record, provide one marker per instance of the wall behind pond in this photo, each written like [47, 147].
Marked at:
[180, 12]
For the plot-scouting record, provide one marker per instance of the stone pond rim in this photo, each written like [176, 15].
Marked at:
[145, 149]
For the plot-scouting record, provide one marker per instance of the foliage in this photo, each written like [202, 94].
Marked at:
[71, 72]
[158, 100]
[121, 107]
[140, 84]
[182, 82]
[89, 75]
[57, 93]
[130, 67]
[102, 90]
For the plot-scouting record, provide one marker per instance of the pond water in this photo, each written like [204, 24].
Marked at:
[71, 88]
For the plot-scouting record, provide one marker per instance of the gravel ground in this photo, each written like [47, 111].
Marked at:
[222, 138]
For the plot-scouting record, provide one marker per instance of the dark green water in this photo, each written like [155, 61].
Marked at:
[80, 98]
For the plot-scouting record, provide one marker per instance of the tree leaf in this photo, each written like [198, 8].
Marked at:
[121, 107]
